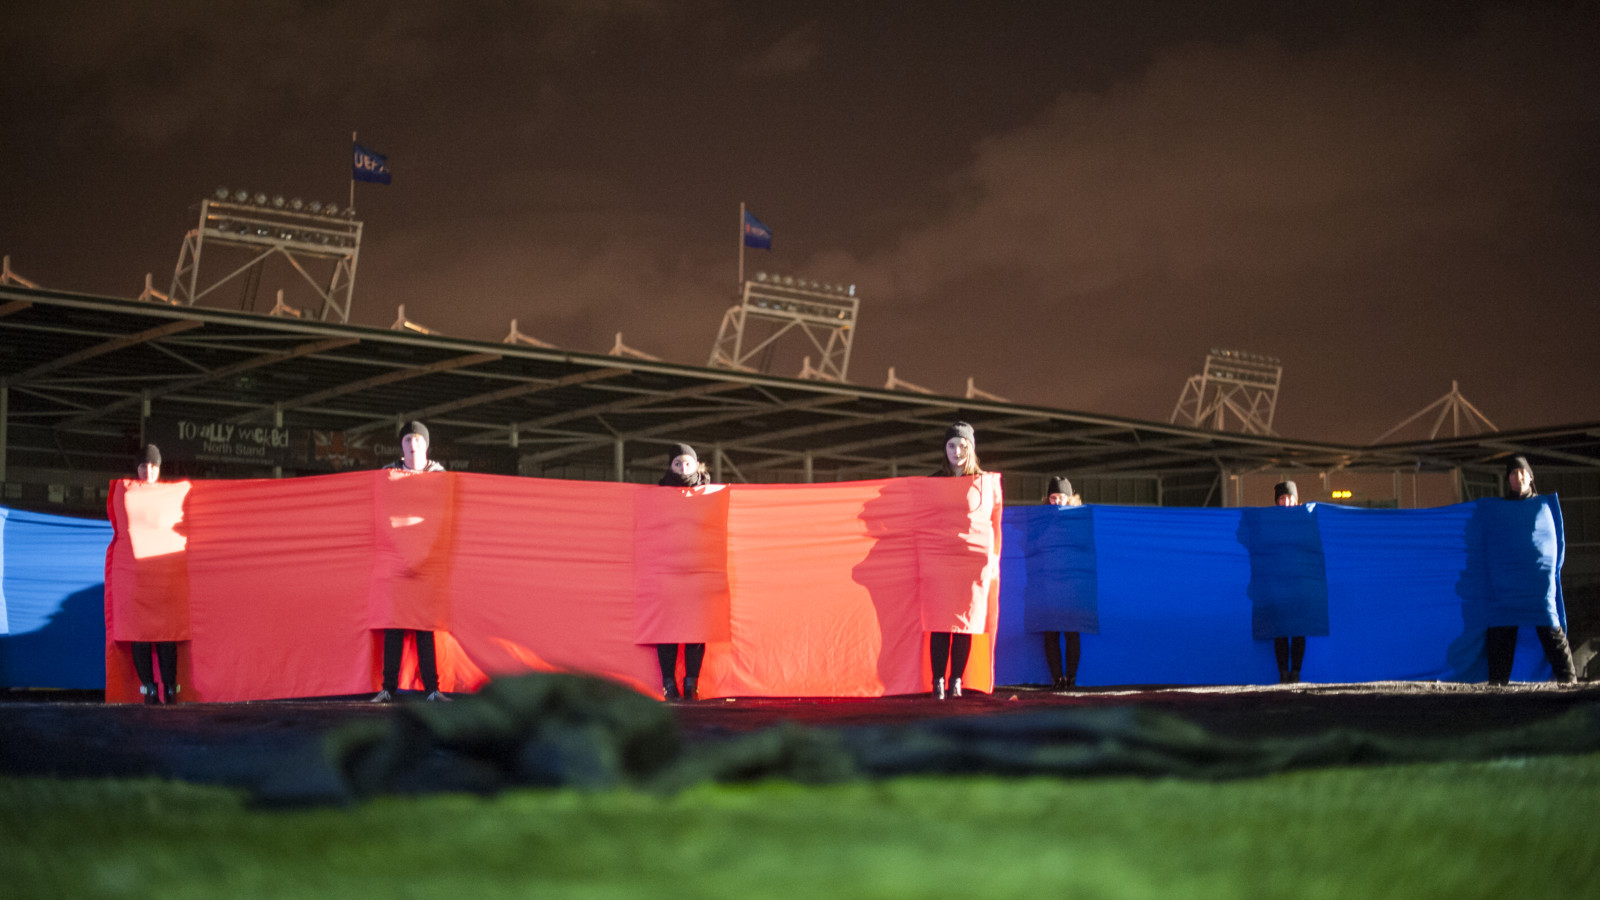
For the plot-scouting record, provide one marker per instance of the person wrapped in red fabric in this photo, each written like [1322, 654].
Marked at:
[414, 445]
[685, 470]
[165, 652]
[953, 647]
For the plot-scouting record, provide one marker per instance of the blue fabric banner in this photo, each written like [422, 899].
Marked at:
[756, 234]
[1524, 549]
[369, 166]
[1401, 595]
[52, 599]
[1061, 591]
[1288, 578]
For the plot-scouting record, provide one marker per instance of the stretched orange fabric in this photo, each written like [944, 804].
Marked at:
[279, 572]
[823, 585]
[544, 581]
[680, 564]
[413, 523]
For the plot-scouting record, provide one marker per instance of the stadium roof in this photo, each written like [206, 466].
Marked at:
[80, 371]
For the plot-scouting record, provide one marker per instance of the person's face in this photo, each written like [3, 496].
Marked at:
[1520, 481]
[414, 451]
[957, 450]
[1058, 500]
[149, 473]
[683, 465]
[1288, 499]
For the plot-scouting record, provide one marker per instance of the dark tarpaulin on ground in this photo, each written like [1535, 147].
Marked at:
[572, 731]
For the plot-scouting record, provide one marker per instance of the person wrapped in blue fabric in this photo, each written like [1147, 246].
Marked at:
[1059, 599]
[1524, 581]
[1288, 578]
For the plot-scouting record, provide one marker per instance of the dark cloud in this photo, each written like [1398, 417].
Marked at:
[794, 52]
[1353, 212]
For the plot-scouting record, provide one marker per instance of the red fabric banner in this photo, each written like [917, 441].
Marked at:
[958, 545]
[680, 565]
[822, 590]
[147, 579]
[413, 525]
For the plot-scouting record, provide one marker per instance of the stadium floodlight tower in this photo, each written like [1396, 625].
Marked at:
[775, 305]
[1237, 388]
[301, 233]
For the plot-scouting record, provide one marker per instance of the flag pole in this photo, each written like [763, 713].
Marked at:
[352, 173]
[741, 245]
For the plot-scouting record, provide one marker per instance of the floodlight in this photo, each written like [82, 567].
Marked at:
[277, 201]
[241, 196]
[297, 204]
[332, 209]
[761, 276]
[222, 193]
[261, 199]
[315, 207]
[350, 213]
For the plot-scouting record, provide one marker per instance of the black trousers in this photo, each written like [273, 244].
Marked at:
[1500, 646]
[166, 657]
[1053, 658]
[667, 658]
[394, 643]
[943, 647]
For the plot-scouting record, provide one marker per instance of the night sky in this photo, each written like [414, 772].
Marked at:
[1071, 202]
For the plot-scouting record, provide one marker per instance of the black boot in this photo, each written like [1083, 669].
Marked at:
[938, 688]
[691, 689]
[152, 697]
[1558, 653]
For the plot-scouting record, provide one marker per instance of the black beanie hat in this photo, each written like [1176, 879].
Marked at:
[959, 429]
[1517, 462]
[1285, 489]
[683, 450]
[415, 427]
[1058, 485]
[152, 455]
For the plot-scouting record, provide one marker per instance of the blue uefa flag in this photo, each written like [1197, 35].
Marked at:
[756, 234]
[369, 166]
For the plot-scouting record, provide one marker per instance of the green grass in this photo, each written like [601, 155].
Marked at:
[1510, 829]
